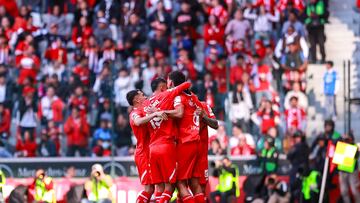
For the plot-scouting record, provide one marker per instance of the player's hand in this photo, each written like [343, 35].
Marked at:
[161, 114]
[200, 112]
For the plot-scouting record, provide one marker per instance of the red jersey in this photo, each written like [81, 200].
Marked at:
[162, 131]
[295, 118]
[204, 134]
[140, 132]
[83, 73]
[189, 124]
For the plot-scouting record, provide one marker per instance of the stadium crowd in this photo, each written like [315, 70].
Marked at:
[65, 67]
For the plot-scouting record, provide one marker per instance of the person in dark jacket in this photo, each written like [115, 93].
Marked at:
[315, 19]
[46, 147]
[123, 135]
[298, 157]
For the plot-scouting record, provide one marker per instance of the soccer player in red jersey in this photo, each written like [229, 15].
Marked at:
[207, 118]
[137, 120]
[188, 140]
[162, 137]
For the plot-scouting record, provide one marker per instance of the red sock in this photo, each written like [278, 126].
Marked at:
[188, 199]
[200, 198]
[143, 197]
[158, 196]
[166, 197]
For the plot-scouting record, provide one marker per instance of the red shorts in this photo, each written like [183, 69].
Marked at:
[163, 163]
[203, 163]
[143, 167]
[187, 156]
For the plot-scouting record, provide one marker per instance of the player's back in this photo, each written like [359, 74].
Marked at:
[189, 124]
[161, 131]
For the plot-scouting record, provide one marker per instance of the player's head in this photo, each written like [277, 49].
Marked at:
[175, 78]
[135, 97]
[159, 84]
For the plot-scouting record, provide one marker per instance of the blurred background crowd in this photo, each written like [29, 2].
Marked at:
[65, 67]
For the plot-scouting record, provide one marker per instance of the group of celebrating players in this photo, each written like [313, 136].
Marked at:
[172, 140]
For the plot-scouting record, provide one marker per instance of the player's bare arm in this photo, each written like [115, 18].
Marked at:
[213, 123]
[142, 120]
[178, 112]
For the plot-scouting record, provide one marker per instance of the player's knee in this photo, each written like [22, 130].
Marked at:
[149, 189]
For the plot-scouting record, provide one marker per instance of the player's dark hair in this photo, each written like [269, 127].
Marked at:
[131, 95]
[155, 83]
[177, 77]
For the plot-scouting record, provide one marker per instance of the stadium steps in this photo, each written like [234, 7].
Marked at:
[342, 44]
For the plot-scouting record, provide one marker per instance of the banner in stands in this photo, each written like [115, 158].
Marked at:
[122, 166]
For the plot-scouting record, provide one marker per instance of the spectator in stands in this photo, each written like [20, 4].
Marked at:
[295, 116]
[102, 30]
[80, 100]
[5, 121]
[237, 71]
[56, 52]
[46, 147]
[331, 87]
[123, 84]
[160, 42]
[28, 63]
[295, 23]
[262, 22]
[262, 77]
[291, 36]
[110, 9]
[186, 65]
[240, 107]
[315, 20]
[238, 28]
[207, 90]
[186, 20]
[83, 10]
[215, 148]
[51, 107]
[4, 152]
[268, 116]
[160, 18]
[102, 138]
[54, 133]
[26, 145]
[221, 136]
[123, 136]
[241, 143]
[296, 92]
[56, 17]
[214, 33]
[134, 33]
[102, 86]
[77, 131]
[294, 64]
[26, 115]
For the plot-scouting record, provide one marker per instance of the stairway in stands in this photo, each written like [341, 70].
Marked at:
[341, 44]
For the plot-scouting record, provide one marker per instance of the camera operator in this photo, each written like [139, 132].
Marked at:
[228, 174]
[274, 191]
[43, 186]
[99, 185]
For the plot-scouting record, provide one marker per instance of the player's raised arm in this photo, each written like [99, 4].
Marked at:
[175, 91]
